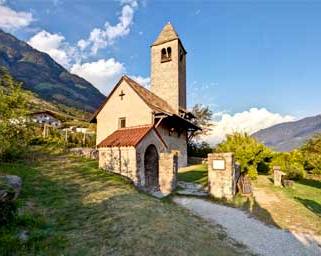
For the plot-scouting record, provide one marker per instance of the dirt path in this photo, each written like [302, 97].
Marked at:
[260, 238]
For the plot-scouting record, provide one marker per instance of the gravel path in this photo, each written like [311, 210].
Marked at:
[260, 238]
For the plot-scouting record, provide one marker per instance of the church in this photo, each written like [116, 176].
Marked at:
[142, 134]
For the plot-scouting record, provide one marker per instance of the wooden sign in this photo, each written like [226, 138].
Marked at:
[219, 164]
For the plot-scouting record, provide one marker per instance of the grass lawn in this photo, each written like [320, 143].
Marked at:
[297, 208]
[194, 173]
[70, 207]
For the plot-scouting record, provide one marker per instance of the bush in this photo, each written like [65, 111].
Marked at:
[295, 172]
[248, 152]
[199, 149]
[292, 163]
[312, 154]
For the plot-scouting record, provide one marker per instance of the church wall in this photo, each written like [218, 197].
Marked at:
[175, 143]
[132, 107]
[150, 138]
[121, 160]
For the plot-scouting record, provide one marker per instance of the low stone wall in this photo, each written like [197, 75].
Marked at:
[191, 160]
[91, 153]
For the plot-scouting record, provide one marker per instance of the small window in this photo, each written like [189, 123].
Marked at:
[164, 56]
[169, 53]
[122, 122]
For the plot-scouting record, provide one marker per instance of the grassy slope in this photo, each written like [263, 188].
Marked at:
[71, 207]
[300, 209]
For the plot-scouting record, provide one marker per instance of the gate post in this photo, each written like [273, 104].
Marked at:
[221, 175]
[168, 168]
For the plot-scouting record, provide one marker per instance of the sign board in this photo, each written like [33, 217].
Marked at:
[219, 164]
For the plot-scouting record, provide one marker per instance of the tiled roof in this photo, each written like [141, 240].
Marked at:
[168, 34]
[124, 137]
[152, 100]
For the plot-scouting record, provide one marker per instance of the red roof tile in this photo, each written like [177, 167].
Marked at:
[129, 136]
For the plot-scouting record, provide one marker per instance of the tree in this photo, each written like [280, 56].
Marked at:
[312, 154]
[203, 119]
[14, 119]
[248, 152]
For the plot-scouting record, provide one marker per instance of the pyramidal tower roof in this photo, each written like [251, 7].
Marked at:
[168, 34]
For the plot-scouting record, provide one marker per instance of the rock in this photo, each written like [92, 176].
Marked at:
[11, 183]
[287, 183]
[22, 235]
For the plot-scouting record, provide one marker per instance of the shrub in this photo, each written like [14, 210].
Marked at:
[295, 172]
[292, 163]
[312, 154]
[199, 149]
[251, 155]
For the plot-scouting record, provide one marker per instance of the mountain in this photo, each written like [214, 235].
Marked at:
[41, 74]
[290, 135]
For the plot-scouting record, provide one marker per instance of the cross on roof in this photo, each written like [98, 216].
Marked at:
[121, 95]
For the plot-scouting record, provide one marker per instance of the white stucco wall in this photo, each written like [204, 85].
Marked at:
[132, 107]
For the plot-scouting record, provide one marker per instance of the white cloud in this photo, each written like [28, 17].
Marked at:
[103, 74]
[11, 19]
[101, 38]
[144, 81]
[132, 3]
[248, 121]
[51, 44]
[55, 45]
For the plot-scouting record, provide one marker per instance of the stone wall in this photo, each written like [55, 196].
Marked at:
[222, 179]
[121, 160]
[167, 172]
[86, 152]
[191, 160]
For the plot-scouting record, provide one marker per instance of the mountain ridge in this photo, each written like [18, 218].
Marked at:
[44, 76]
[289, 135]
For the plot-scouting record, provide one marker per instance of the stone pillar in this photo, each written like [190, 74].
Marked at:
[168, 167]
[221, 175]
[277, 178]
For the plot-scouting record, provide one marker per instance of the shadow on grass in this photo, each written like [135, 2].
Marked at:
[81, 210]
[312, 205]
[194, 176]
[250, 205]
[310, 182]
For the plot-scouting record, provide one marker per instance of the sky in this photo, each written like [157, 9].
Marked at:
[254, 63]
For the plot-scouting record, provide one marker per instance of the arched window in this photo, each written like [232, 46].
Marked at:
[169, 52]
[164, 56]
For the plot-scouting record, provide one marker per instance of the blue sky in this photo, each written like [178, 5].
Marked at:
[241, 55]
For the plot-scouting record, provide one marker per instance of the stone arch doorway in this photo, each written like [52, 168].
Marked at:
[151, 168]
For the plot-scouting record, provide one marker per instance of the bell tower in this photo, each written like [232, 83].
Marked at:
[168, 68]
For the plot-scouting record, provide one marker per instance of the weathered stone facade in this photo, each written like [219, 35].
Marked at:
[222, 177]
[130, 162]
[168, 78]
